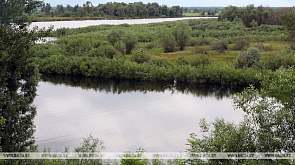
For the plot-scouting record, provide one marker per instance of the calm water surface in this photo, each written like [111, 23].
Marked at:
[126, 115]
[85, 23]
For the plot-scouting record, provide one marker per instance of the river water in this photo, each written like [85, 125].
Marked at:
[126, 115]
[85, 23]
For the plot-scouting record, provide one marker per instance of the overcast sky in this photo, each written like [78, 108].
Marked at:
[187, 3]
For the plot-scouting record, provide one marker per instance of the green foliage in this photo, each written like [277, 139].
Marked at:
[120, 47]
[128, 158]
[103, 51]
[182, 33]
[254, 24]
[2, 120]
[240, 43]
[90, 144]
[140, 57]
[18, 81]
[160, 61]
[115, 36]
[182, 61]
[116, 10]
[284, 58]
[129, 40]
[199, 60]
[267, 126]
[219, 45]
[14, 11]
[166, 40]
[289, 22]
[248, 58]
[254, 16]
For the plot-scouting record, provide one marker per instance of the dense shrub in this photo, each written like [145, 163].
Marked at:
[163, 70]
[181, 61]
[219, 45]
[199, 60]
[240, 43]
[129, 40]
[140, 57]
[103, 51]
[115, 36]
[284, 58]
[160, 61]
[166, 40]
[248, 58]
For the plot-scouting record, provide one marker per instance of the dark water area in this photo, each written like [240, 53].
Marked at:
[126, 115]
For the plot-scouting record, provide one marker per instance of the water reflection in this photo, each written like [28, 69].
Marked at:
[126, 86]
[125, 115]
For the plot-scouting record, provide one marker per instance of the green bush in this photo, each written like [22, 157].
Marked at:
[140, 57]
[104, 51]
[248, 58]
[240, 43]
[166, 40]
[284, 58]
[160, 61]
[198, 60]
[129, 40]
[219, 45]
[182, 61]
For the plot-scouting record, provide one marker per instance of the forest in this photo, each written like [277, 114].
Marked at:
[253, 47]
[110, 10]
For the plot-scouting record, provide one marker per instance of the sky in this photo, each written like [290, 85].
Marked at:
[187, 3]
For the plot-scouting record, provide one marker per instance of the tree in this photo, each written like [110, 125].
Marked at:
[249, 58]
[182, 33]
[219, 45]
[69, 7]
[203, 12]
[88, 7]
[115, 36]
[60, 9]
[289, 22]
[129, 40]
[15, 10]
[18, 75]
[47, 8]
[268, 125]
[166, 40]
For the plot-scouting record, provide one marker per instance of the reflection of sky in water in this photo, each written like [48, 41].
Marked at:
[155, 121]
[85, 23]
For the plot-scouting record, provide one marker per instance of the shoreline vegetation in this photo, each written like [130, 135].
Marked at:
[118, 11]
[244, 46]
[220, 51]
[110, 10]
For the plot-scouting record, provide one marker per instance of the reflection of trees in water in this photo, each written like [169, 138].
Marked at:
[123, 86]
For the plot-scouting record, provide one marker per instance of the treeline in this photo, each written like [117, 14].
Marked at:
[202, 10]
[255, 16]
[112, 9]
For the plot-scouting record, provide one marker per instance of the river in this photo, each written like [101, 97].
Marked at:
[85, 23]
[126, 115]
